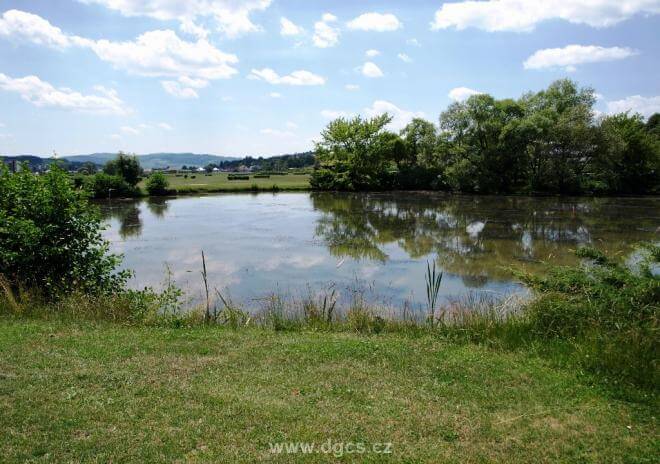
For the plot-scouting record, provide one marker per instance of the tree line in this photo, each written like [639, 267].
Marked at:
[550, 141]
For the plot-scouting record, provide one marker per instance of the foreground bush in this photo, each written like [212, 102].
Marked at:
[50, 237]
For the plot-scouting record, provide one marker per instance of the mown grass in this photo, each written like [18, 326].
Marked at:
[219, 182]
[101, 392]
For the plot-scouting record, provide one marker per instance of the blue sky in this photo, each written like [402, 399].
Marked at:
[263, 77]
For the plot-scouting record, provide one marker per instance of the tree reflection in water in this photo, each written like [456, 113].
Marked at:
[479, 237]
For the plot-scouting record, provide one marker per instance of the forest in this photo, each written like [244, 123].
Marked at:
[548, 142]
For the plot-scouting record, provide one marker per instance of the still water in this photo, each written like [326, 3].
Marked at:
[294, 243]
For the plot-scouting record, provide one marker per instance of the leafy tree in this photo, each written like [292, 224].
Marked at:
[653, 125]
[421, 142]
[356, 154]
[628, 159]
[50, 236]
[157, 184]
[125, 166]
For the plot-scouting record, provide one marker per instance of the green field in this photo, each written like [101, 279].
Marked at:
[219, 182]
[83, 392]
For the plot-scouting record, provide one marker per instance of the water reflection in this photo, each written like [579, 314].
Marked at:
[259, 243]
[480, 237]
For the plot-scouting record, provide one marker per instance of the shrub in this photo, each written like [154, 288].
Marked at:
[103, 185]
[50, 236]
[608, 310]
[157, 184]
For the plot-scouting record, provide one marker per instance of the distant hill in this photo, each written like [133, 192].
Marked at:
[157, 160]
[172, 160]
[38, 163]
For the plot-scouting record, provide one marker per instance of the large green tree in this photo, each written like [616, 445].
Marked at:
[125, 166]
[356, 154]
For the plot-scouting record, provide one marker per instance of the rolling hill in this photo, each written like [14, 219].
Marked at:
[156, 160]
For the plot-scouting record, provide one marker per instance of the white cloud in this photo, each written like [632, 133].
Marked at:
[165, 126]
[405, 58]
[413, 42]
[291, 125]
[275, 95]
[326, 35]
[375, 22]
[646, 106]
[163, 53]
[288, 28]
[277, 133]
[370, 69]
[460, 94]
[177, 90]
[572, 55]
[188, 26]
[352, 87]
[372, 53]
[155, 54]
[43, 94]
[524, 15]
[129, 130]
[300, 77]
[334, 114]
[231, 17]
[400, 117]
[32, 28]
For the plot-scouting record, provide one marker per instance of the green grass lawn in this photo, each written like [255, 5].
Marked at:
[109, 393]
[218, 182]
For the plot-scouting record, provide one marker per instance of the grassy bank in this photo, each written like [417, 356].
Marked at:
[219, 182]
[103, 392]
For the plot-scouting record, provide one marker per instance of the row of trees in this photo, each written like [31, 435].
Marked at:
[550, 141]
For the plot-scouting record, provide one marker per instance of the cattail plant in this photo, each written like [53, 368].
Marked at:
[433, 281]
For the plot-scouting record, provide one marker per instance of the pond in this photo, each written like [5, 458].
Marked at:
[377, 244]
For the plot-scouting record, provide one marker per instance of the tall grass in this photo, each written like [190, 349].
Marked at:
[601, 316]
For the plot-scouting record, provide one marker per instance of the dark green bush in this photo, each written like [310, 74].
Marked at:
[102, 185]
[157, 184]
[50, 236]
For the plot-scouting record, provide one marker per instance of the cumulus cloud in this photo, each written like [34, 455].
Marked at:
[572, 55]
[370, 69]
[352, 87]
[375, 22]
[190, 27]
[646, 106]
[32, 28]
[158, 53]
[163, 53]
[177, 90]
[288, 28]
[524, 15]
[405, 58]
[231, 17]
[275, 95]
[165, 126]
[300, 77]
[400, 117]
[325, 34]
[372, 53]
[43, 94]
[460, 94]
[413, 42]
